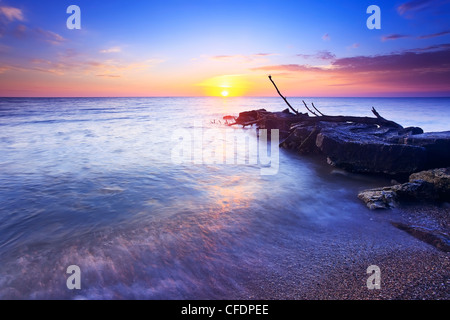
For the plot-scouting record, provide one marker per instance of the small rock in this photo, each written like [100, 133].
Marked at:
[431, 185]
[439, 178]
[383, 198]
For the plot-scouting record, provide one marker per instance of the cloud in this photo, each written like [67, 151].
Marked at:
[11, 14]
[8, 15]
[418, 5]
[325, 55]
[354, 46]
[225, 57]
[108, 75]
[264, 54]
[321, 55]
[101, 68]
[257, 57]
[49, 36]
[287, 67]
[403, 36]
[20, 31]
[413, 70]
[435, 47]
[404, 61]
[326, 37]
[434, 35]
[112, 50]
[394, 37]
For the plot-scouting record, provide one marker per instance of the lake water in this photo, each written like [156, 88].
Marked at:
[93, 183]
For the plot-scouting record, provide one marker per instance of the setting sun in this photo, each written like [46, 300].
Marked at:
[227, 85]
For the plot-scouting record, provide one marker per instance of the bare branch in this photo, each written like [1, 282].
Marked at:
[317, 109]
[285, 100]
[309, 109]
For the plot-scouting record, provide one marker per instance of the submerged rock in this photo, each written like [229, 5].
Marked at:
[436, 238]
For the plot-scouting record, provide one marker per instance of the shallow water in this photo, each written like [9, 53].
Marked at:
[93, 183]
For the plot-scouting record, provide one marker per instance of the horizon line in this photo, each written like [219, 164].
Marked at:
[219, 97]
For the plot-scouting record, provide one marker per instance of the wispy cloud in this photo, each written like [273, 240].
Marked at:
[20, 31]
[435, 47]
[257, 57]
[110, 68]
[288, 67]
[8, 15]
[321, 55]
[406, 61]
[416, 69]
[404, 36]
[354, 46]
[326, 37]
[264, 54]
[109, 75]
[11, 14]
[112, 50]
[49, 36]
[434, 35]
[394, 37]
[410, 7]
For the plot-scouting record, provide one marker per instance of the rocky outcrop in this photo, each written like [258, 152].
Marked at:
[431, 185]
[439, 178]
[436, 144]
[356, 144]
[359, 147]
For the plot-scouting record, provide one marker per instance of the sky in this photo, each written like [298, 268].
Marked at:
[215, 47]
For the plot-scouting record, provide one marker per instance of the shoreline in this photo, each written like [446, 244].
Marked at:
[408, 272]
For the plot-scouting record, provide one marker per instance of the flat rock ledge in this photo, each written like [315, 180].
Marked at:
[356, 144]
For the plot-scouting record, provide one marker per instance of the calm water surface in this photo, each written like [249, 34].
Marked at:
[91, 182]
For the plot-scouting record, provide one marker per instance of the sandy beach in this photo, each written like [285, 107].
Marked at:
[417, 272]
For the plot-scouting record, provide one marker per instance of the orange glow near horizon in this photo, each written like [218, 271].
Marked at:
[226, 86]
[154, 82]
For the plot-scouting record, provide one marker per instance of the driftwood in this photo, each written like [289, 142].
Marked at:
[284, 98]
[363, 120]
[357, 144]
[319, 116]
[298, 117]
[380, 121]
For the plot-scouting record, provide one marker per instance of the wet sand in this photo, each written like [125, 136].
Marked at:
[412, 270]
